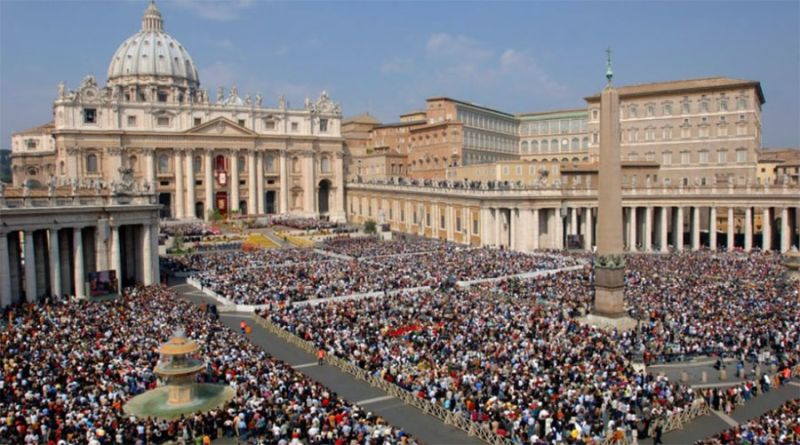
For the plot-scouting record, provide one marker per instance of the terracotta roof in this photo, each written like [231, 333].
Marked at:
[687, 85]
[540, 113]
[401, 124]
[363, 118]
[778, 154]
[44, 128]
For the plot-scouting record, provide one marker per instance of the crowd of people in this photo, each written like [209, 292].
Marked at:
[262, 277]
[189, 231]
[370, 246]
[68, 368]
[780, 426]
[294, 222]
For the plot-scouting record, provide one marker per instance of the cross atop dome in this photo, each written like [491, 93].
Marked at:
[152, 20]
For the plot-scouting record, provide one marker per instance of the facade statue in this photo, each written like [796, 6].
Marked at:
[26, 189]
[62, 88]
[220, 95]
[51, 186]
[247, 100]
[258, 99]
[282, 102]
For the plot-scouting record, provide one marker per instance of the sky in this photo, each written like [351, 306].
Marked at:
[386, 58]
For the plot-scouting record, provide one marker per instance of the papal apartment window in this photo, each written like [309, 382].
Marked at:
[651, 110]
[741, 156]
[667, 109]
[722, 156]
[723, 105]
[685, 107]
[704, 157]
[632, 111]
[294, 126]
[131, 121]
[741, 103]
[685, 158]
[323, 126]
[91, 163]
[197, 121]
[162, 121]
[704, 106]
[89, 116]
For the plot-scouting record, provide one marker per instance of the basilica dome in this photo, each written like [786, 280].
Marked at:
[152, 56]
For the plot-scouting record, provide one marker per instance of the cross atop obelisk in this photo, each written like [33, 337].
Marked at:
[609, 73]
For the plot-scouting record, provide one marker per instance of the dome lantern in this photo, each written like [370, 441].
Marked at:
[152, 20]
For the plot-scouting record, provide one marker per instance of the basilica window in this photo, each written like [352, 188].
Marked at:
[295, 165]
[269, 124]
[325, 165]
[162, 96]
[61, 168]
[295, 127]
[162, 121]
[91, 163]
[163, 164]
[89, 116]
[241, 163]
[197, 121]
[131, 121]
[132, 162]
[241, 122]
[323, 125]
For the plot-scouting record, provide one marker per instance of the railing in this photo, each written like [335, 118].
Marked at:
[480, 430]
[74, 201]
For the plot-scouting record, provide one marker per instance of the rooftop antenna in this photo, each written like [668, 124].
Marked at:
[609, 72]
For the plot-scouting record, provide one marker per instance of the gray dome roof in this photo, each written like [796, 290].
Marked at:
[153, 52]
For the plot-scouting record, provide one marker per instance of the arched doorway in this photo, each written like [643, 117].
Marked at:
[222, 203]
[243, 207]
[323, 196]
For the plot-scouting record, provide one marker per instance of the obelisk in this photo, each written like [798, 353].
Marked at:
[609, 263]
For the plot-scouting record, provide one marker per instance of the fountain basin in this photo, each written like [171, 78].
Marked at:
[154, 403]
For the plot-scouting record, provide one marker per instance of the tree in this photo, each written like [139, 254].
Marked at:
[214, 215]
[370, 227]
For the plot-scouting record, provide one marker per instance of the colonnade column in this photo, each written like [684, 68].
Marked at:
[748, 229]
[632, 229]
[284, 192]
[731, 230]
[648, 229]
[712, 228]
[147, 270]
[338, 170]
[678, 229]
[208, 182]
[573, 221]
[450, 223]
[766, 229]
[5, 271]
[77, 249]
[535, 226]
[695, 228]
[559, 232]
[30, 267]
[55, 263]
[260, 182]
[252, 208]
[190, 188]
[180, 205]
[786, 230]
[663, 243]
[234, 205]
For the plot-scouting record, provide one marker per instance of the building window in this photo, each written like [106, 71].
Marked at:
[704, 157]
[651, 110]
[685, 158]
[632, 111]
[686, 131]
[89, 116]
[323, 125]
[704, 131]
[31, 144]
[325, 165]
[595, 115]
[633, 156]
[197, 121]
[666, 158]
[131, 121]
[241, 164]
[428, 219]
[741, 103]
[294, 127]
[241, 122]
[741, 129]
[741, 156]
[722, 156]
[668, 109]
[723, 104]
[704, 106]
[722, 130]
[162, 121]
[295, 165]
[685, 107]
[163, 164]
[91, 163]
[650, 134]
[576, 144]
[162, 96]
[441, 222]
[269, 124]
[198, 163]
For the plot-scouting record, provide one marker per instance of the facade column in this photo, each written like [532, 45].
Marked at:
[731, 230]
[512, 228]
[234, 180]
[786, 231]
[523, 230]
[484, 226]
[260, 182]
[588, 239]
[449, 223]
[150, 167]
[40, 252]
[497, 223]
[284, 192]
[147, 269]
[154, 266]
[208, 182]
[573, 221]
[252, 207]
[748, 229]
[632, 229]
[648, 229]
[30, 267]
[77, 249]
[559, 232]
[338, 214]
[64, 249]
[15, 264]
[663, 243]
[695, 228]
[190, 187]
[116, 262]
[100, 244]
[180, 205]
[55, 263]
[678, 228]
[766, 229]
[535, 227]
[5, 271]
[712, 228]
[309, 185]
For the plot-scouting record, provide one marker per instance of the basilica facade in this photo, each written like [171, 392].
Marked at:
[230, 154]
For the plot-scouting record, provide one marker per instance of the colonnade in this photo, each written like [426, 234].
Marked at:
[56, 260]
[646, 228]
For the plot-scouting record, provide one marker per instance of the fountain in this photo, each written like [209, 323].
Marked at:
[791, 260]
[180, 394]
